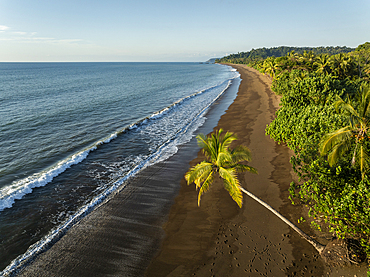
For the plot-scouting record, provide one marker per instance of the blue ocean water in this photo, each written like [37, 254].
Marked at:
[72, 133]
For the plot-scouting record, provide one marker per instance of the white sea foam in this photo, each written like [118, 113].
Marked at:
[163, 152]
[16, 191]
[19, 189]
[160, 113]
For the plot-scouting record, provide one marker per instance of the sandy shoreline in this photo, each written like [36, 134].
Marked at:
[216, 239]
[120, 237]
[239, 242]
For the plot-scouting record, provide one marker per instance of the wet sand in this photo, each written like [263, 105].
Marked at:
[121, 236]
[218, 238]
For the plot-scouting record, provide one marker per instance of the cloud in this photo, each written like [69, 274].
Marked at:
[30, 37]
[46, 40]
[3, 27]
[20, 33]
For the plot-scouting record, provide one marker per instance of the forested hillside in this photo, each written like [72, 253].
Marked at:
[263, 53]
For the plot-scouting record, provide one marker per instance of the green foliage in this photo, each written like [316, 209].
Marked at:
[263, 53]
[337, 194]
[301, 88]
[338, 62]
[363, 47]
[220, 161]
[354, 137]
[361, 57]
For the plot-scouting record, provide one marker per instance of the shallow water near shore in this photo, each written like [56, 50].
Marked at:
[73, 133]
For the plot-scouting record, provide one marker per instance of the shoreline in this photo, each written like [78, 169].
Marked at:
[121, 236]
[218, 238]
[245, 242]
[157, 216]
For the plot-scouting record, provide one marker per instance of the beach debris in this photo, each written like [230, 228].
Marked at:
[338, 252]
[343, 252]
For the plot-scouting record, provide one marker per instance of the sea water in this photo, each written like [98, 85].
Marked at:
[73, 133]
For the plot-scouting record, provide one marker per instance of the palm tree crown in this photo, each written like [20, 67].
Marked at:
[339, 141]
[323, 64]
[221, 161]
[270, 66]
[226, 163]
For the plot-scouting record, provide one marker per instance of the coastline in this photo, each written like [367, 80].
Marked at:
[215, 239]
[121, 236]
[241, 242]
[218, 238]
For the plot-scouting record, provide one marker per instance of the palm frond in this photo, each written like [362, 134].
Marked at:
[241, 153]
[226, 140]
[337, 151]
[243, 167]
[228, 174]
[231, 184]
[204, 144]
[223, 158]
[365, 92]
[205, 187]
[198, 173]
[346, 107]
[329, 140]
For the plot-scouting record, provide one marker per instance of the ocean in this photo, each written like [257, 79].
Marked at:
[73, 133]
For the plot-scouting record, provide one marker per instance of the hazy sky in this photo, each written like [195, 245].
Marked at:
[161, 30]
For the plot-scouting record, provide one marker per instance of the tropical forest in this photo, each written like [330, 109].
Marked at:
[324, 118]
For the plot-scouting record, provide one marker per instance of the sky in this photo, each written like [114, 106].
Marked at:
[173, 30]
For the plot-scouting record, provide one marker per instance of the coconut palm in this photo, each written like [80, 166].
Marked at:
[222, 162]
[342, 65]
[307, 59]
[362, 57]
[225, 163]
[322, 64]
[293, 56]
[307, 56]
[292, 60]
[270, 66]
[340, 141]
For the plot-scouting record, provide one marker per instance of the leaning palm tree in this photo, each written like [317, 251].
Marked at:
[338, 142]
[222, 162]
[225, 163]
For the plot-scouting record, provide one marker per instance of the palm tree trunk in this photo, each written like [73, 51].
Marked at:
[318, 246]
[354, 154]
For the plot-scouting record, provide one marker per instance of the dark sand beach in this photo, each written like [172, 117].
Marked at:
[215, 239]
[218, 238]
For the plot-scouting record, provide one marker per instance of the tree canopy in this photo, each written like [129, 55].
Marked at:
[263, 53]
[325, 101]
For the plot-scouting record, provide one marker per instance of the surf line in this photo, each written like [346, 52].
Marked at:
[57, 233]
[18, 190]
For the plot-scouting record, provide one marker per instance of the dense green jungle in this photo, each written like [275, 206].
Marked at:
[324, 117]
